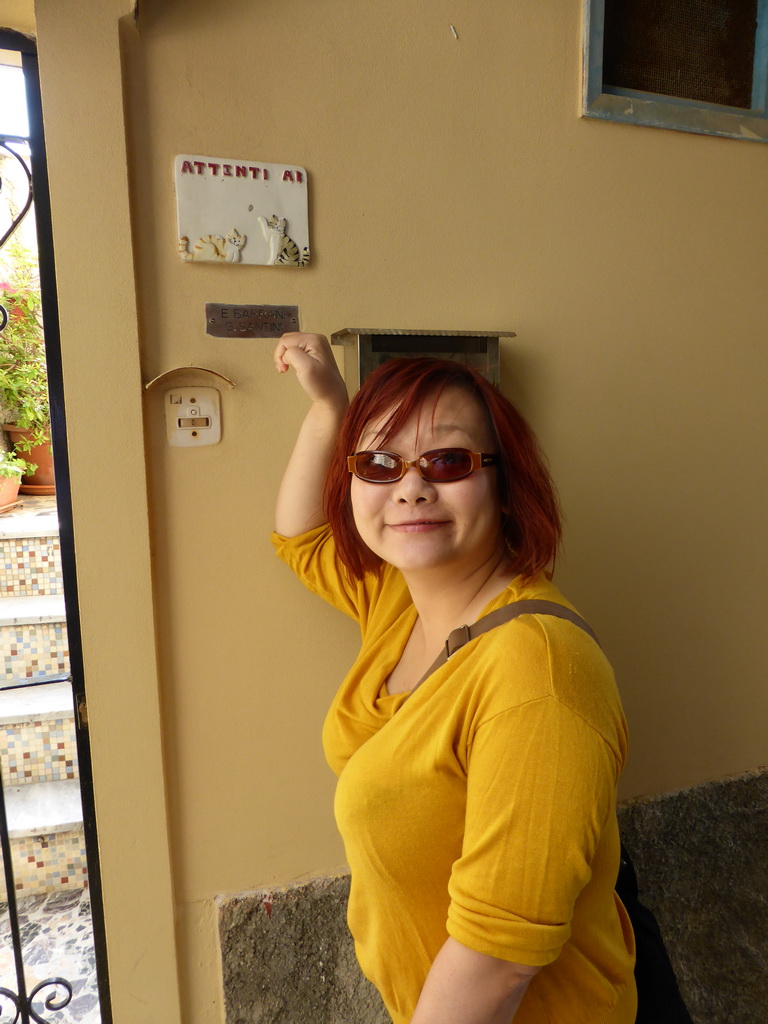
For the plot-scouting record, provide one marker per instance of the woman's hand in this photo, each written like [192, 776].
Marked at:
[311, 357]
[300, 500]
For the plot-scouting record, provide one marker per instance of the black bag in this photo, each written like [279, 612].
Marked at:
[658, 997]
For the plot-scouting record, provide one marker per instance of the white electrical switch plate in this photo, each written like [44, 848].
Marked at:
[192, 417]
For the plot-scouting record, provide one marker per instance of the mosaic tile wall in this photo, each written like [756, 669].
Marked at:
[30, 566]
[33, 649]
[48, 863]
[38, 751]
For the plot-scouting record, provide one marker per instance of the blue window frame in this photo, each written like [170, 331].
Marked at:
[632, 106]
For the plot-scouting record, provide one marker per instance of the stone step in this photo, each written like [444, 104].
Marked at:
[48, 862]
[32, 517]
[37, 735]
[33, 637]
[34, 608]
[43, 808]
[30, 554]
[26, 703]
[41, 788]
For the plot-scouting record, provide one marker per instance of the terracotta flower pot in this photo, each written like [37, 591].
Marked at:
[41, 481]
[9, 491]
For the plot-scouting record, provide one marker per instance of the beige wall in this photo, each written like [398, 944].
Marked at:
[452, 185]
[18, 15]
[82, 99]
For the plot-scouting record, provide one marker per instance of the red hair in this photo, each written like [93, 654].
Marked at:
[531, 524]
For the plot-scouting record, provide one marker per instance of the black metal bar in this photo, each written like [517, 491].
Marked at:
[48, 292]
[51, 1001]
[17, 220]
[19, 998]
[39, 680]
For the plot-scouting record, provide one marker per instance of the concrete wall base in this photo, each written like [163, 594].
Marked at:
[702, 868]
[700, 857]
[288, 958]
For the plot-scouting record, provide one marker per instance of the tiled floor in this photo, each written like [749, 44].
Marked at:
[57, 941]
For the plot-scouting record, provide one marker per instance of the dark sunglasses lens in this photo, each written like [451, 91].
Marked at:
[378, 467]
[446, 464]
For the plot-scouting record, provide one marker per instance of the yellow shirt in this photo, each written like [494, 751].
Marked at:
[482, 807]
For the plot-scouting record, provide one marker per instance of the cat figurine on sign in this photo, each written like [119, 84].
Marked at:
[282, 249]
[213, 248]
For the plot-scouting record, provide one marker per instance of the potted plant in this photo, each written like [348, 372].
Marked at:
[24, 404]
[11, 470]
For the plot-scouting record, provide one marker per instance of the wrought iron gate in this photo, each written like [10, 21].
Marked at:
[53, 994]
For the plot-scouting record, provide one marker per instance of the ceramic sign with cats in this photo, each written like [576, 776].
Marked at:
[241, 211]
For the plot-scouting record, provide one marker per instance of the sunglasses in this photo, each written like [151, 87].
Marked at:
[438, 466]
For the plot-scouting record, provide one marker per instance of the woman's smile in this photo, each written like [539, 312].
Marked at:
[418, 525]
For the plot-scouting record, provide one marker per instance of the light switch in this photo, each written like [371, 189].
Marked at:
[192, 417]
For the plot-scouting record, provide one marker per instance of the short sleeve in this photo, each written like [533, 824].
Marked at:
[314, 559]
[541, 785]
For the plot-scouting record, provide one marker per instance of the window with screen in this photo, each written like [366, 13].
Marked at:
[691, 65]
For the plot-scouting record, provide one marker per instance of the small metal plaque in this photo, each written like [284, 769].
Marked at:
[249, 321]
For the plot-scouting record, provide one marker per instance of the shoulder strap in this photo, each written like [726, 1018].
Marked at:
[458, 637]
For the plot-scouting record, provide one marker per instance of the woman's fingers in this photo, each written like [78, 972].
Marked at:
[297, 350]
[280, 364]
[297, 342]
[311, 357]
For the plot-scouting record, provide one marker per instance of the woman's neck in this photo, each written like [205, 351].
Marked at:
[445, 599]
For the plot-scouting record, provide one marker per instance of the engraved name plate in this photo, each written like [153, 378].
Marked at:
[249, 321]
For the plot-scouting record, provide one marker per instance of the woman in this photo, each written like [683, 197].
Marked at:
[477, 807]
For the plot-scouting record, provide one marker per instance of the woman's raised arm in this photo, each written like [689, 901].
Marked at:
[300, 499]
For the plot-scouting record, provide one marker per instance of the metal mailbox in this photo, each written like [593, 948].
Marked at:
[367, 348]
